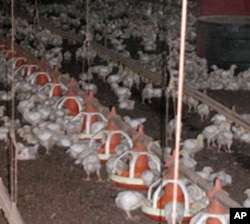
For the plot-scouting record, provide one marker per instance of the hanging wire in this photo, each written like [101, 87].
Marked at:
[179, 101]
[13, 146]
[166, 92]
[36, 15]
[88, 38]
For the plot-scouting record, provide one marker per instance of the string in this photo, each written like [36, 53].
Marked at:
[179, 102]
[13, 168]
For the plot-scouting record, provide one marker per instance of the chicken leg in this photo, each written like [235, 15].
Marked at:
[130, 217]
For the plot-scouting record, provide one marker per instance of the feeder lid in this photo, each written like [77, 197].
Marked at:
[56, 69]
[54, 80]
[71, 93]
[73, 83]
[138, 147]
[170, 164]
[215, 207]
[112, 112]
[139, 133]
[90, 97]
[19, 54]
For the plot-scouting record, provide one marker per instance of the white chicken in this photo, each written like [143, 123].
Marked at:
[195, 193]
[210, 133]
[199, 205]
[225, 138]
[170, 128]
[246, 202]
[104, 71]
[45, 138]
[26, 152]
[123, 93]
[150, 176]
[86, 76]
[87, 86]
[4, 136]
[193, 146]
[67, 56]
[129, 201]
[91, 163]
[128, 81]
[217, 119]
[205, 172]
[114, 165]
[2, 110]
[224, 177]
[147, 93]
[192, 103]
[126, 104]
[77, 148]
[170, 214]
[134, 123]
[116, 78]
[203, 111]
[32, 117]
[187, 160]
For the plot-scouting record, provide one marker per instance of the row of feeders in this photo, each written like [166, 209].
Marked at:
[137, 157]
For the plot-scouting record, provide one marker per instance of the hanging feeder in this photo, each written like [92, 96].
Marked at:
[27, 69]
[2, 47]
[89, 117]
[90, 109]
[162, 191]
[72, 102]
[43, 64]
[53, 88]
[9, 54]
[138, 163]
[40, 77]
[14, 61]
[216, 212]
[111, 138]
[20, 59]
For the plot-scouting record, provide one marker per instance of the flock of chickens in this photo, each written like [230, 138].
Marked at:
[46, 122]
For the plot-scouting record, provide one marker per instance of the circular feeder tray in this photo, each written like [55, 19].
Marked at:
[103, 157]
[85, 136]
[157, 214]
[128, 182]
